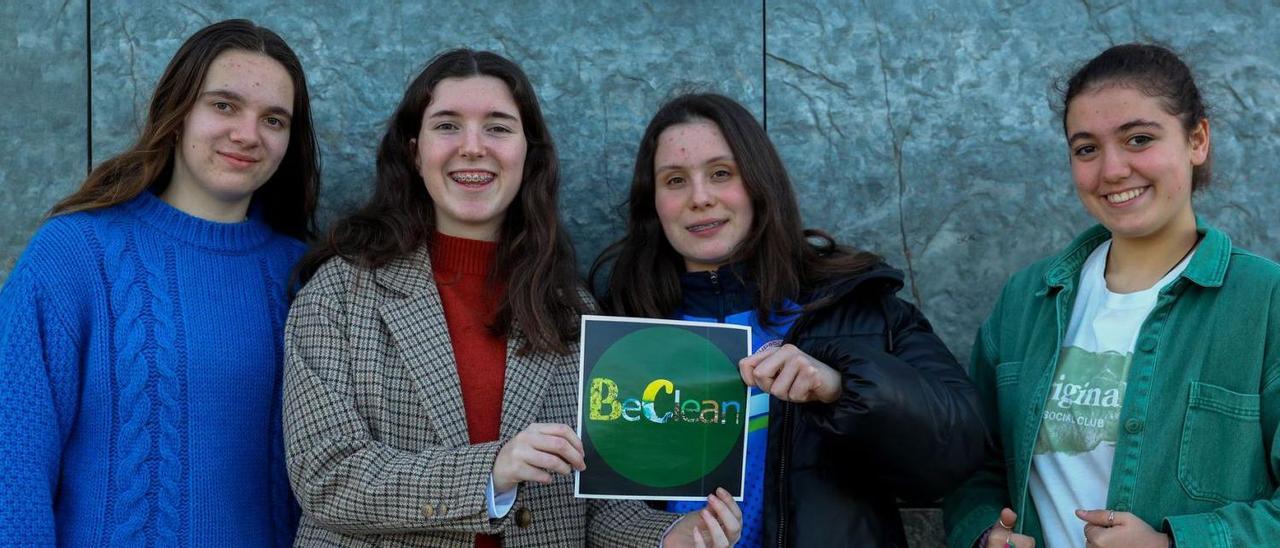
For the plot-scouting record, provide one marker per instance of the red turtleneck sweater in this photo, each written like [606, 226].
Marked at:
[461, 268]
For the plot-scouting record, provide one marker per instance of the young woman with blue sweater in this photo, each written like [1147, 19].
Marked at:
[140, 332]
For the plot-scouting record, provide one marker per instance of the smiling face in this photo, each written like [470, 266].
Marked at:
[1132, 161]
[234, 137]
[470, 153]
[699, 195]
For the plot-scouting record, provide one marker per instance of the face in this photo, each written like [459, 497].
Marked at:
[470, 153]
[1132, 162]
[701, 201]
[235, 135]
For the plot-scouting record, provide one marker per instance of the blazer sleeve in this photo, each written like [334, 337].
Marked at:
[39, 387]
[626, 523]
[347, 481]
[974, 507]
[910, 412]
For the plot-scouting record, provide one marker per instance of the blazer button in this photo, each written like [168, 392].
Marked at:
[524, 517]
[428, 510]
[1133, 426]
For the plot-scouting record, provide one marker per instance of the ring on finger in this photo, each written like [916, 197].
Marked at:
[1006, 527]
[1111, 518]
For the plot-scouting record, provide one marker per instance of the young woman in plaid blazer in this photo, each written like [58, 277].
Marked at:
[431, 371]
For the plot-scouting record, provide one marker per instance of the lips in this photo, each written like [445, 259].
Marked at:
[1117, 198]
[706, 225]
[472, 178]
[239, 160]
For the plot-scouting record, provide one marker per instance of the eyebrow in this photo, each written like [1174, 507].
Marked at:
[1123, 128]
[233, 96]
[716, 160]
[455, 114]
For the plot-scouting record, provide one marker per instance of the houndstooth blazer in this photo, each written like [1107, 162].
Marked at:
[375, 435]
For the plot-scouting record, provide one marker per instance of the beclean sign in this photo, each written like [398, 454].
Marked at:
[663, 407]
[605, 406]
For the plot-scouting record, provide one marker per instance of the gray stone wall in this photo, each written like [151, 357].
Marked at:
[922, 130]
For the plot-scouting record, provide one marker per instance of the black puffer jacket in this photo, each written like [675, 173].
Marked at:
[907, 425]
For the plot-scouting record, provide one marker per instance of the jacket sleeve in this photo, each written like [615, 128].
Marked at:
[347, 481]
[626, 523]
[39, 383]
[1252, 523]
[911, 413]
[974, 507]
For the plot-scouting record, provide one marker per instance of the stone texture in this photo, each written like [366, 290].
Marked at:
[928, 133]
[43, 149]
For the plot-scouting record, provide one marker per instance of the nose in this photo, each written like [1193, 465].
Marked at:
[702, 195]
[245, 131]
[472, 145]
[1115, 166]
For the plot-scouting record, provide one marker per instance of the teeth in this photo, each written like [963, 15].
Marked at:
[472, 178]
[714, 224]
[1121, 197]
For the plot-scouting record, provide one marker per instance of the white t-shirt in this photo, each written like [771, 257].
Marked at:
[1071, 463]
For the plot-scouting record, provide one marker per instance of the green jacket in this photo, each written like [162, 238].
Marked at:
[1198, 454]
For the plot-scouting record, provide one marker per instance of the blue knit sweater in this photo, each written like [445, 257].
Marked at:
[140, 360]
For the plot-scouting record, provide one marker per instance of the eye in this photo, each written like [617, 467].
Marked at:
[674, 181]
[501, 129]
[276, 122]
[1084, 151]
[445, 126]
[222, 106]
[721, 174]
[1140, 140]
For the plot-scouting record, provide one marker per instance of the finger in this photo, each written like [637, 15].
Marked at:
[727, 498]
[526, 472]
[731, 524]
[786, 376]
[759, 355]
[562, 431]
[766, 370]
[1008, 518]
[745, 368]
[1095, 517]
[697, 538]
[562, 448]
[802, 388]
[718, 537]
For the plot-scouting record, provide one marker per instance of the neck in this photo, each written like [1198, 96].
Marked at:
[198, 204]
[1136, 264]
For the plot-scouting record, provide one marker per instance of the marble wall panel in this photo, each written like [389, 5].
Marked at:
[600, 70]
[927, 131]
[43, 149]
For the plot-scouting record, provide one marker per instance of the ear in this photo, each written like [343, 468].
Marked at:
[413, 144]
[1199, 142]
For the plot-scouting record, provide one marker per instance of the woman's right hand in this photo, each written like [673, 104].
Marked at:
[1002, 534]
[535, 453]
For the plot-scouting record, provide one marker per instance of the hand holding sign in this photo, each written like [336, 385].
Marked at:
[790, 374]
[535, 453]
[719, 524]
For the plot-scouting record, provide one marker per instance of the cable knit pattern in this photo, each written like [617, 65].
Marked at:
[141, 382]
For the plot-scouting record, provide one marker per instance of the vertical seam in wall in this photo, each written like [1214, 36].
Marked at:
[764, 60]
[88, 78]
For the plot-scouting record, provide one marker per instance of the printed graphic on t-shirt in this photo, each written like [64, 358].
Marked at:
[1083, 408]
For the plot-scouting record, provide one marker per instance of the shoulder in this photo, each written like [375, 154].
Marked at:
[1247, 267]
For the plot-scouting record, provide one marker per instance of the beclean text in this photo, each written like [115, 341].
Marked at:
[653, 405]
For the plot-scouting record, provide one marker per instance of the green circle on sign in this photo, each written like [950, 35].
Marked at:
[664, 442]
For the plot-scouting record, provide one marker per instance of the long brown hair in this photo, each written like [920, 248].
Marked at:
[534, 258]
[782, 259]
[287, 200]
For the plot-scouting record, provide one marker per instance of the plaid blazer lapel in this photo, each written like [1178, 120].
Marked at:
[417, 325]
[523, 389]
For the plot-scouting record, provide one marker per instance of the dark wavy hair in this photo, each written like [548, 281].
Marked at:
[287, 200]
[535, 261]
[783, 259]
[1155, 71]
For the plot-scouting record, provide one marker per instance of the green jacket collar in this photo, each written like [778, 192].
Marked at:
[1208, 266]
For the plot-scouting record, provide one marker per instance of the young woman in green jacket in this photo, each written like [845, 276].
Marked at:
[1133, 380]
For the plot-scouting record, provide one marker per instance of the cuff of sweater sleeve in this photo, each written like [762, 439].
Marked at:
[1197, 530]
[968, 532]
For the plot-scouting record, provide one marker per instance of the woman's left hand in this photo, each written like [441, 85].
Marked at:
[790, 375]
[719, 524]
[1105, 528]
